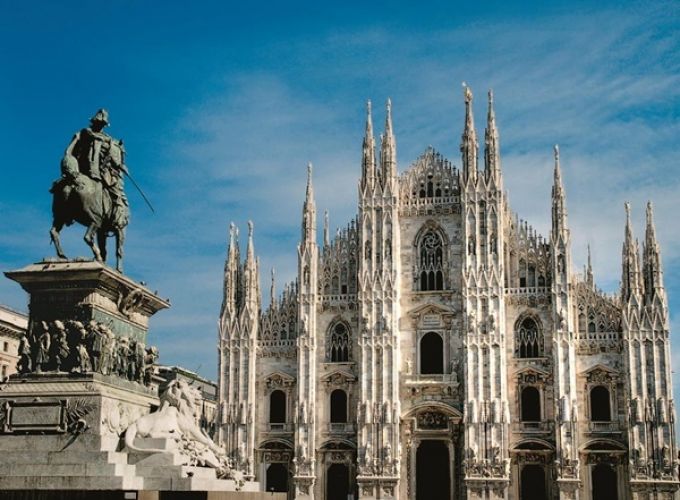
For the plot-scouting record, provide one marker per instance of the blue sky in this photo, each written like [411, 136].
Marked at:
[222, 105]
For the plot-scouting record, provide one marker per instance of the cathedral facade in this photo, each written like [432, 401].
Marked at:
[437, 347]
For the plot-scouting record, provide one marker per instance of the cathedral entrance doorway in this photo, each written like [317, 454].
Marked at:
[275, 466]
[532, 482]
[433, 481]
[337, 482]
[604, 482]
[277, 477]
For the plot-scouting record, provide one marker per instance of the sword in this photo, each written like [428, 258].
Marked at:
[124, 169]
[139, 189]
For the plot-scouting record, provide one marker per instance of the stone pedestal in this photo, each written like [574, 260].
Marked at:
[87, 291]
[82, 384]
[61, 431]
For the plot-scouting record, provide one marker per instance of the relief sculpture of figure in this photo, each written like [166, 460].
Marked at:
[60, 345]
[25, 364]
[90, 190]
[96, 342]
[42, 355]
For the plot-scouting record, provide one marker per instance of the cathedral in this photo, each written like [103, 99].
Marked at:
[438, 347]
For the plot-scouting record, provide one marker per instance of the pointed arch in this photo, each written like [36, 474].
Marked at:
[431, 250]
[529, 340]
[338, 346]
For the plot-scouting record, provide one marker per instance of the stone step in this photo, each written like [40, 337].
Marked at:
[156, 459]
[58, 442]
[35, 482]
[73, 469]
[178, 471]
[62, 457]
[80, 457]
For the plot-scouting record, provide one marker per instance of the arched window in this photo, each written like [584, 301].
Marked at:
[591, 327]
[582, 323]
[431, 354]
[600, 406]
[531, 280]
[277, 407]
[531, 404]
[338, 407]
[522, 273]
[529, 343]
[431, 262]
[338, 344]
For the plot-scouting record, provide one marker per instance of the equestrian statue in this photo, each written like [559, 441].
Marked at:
[90, 190]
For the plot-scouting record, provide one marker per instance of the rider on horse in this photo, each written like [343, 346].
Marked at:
[98, 156]
[90, 189]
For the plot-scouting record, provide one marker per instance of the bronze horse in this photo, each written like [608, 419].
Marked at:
[78, 198]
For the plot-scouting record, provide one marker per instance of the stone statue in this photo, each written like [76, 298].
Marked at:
[96, 337]
[25, 364]
[71, 346]
[123, 353]
[90, 190]
[175, 420]
[42, 355]
[140, 362]
[83, 359]
[149, 362]
[60, 345]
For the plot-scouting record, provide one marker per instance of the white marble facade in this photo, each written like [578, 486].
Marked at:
[439, 347]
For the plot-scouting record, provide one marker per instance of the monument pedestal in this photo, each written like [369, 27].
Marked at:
[82, 384]
[87, 291]
[62, 431]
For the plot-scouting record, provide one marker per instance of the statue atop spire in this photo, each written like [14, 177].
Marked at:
[309, 210]
[326, 234]
[492, 161]
[652, 270]
[469, 145]
[388, 149]
[630, 278]
[559, 208]
[589, 271]
[368, 165]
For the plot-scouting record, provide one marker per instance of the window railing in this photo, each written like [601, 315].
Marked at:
[528, 290]
[603, 426]
[532, 426]
[341, 427]
[280, 427]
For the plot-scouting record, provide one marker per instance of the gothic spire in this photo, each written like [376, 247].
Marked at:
[272, 289]
[469, 145]
[309, 211]
[251, 279]
[630, 278]
[231, 272]
[492, 161]
[652, 271]
[559, 208]
[326, 234]
[388, 149]
[368, 165]
[589, 270]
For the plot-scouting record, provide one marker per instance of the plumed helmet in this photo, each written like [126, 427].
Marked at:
[101, 116]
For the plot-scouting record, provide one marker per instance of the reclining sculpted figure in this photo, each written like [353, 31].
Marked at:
[175, 419]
